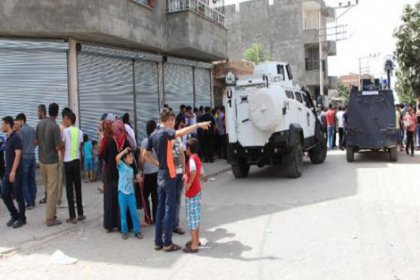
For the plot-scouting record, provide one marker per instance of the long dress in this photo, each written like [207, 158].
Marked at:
[111, 210]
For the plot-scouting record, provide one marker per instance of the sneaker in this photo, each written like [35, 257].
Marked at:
[11, 222]
[19, 224]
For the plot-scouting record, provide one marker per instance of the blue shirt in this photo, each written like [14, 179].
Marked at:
[126, 178]
[28, 136]
[87, 150]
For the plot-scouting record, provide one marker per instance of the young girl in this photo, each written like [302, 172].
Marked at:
[87, 158]
[194, 172]
[126, 196]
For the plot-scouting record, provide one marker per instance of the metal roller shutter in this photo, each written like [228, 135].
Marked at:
[202, 87]
[178, 87]
[147, 92]
[32, 73]
[105, 86]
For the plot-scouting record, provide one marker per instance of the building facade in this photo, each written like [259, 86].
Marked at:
[114, 56]
[289, 30]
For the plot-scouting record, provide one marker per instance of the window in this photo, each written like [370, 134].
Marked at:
[290, 94]
[280, 71]
[299, 97]
[289, 72]
[305, 99]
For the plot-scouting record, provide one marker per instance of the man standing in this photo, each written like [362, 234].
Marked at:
[180, 118]
[42, 114]
[48, 137]
[341, 129]
[12, 181]
[206, 136]
[330, 116]
[27, 135]
[161, 142]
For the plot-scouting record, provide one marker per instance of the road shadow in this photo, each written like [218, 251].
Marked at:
[225, 201]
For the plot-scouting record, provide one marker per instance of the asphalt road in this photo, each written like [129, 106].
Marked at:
[339, 221]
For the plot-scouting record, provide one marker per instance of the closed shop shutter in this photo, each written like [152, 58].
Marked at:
[178, 85]
[32, 73]
[147, 92]
[105, 86]
[202, 87]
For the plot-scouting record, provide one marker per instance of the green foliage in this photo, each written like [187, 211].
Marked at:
[405, 94]
[408, 52]
[343, 91]
[256, 53]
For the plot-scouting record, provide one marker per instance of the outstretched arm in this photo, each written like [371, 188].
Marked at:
[188, 130]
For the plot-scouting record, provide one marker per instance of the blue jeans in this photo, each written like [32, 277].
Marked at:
[179, 188]
[165, 214]
[29, 183]
[331, 132]
[418, 135]
[128, 201]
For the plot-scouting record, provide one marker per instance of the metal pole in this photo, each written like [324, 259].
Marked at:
[321, 79]
[73, 81]
[360, 73]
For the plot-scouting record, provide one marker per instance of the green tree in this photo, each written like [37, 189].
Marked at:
[343, 91]
[407, 52]
[256, 53]
[405, 94]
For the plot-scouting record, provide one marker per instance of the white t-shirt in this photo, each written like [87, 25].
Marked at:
[340, 119]
[72, 138]
[193, 167]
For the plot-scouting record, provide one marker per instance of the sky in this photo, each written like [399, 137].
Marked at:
[370, 27]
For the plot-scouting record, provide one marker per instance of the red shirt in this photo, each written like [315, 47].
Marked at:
[330, 116]
[410, 122]
[195, 186]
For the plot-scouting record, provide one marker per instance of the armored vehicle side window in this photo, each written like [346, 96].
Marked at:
[290, 94]
[299, 97]
[289, 72]
[305, 99]
[280, 71]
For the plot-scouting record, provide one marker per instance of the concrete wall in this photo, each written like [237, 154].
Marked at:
[281, 29]
[122, 23]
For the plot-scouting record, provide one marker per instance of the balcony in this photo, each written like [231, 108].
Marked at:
[196, 29]
[311, 75]
[190, 28]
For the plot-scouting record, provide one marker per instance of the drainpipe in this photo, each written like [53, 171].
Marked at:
[73, 82]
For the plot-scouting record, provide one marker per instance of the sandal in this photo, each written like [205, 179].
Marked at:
[158, 247]
[81, 218]
[139, 235]
[188, 244]
[54, 222]
[124, 236]
[43, 201]
[179, 231]
[189, 250]
[72, 221]
[172, 248]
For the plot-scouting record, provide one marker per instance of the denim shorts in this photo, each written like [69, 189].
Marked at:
[193, 207]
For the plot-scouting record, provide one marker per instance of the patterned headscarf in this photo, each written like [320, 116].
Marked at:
[107, 129]
[119, 134]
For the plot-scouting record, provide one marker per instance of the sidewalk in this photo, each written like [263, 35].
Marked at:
[36, 233]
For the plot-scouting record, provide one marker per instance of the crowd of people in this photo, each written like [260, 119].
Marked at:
[335, 120]
[151, 176]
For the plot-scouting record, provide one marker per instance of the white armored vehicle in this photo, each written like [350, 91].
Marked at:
[270, 121]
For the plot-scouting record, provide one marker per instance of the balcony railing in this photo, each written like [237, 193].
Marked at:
[148, 3]
[313, 65]
[213, 10]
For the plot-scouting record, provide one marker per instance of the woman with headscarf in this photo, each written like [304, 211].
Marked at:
[105, 133]
[115, 144]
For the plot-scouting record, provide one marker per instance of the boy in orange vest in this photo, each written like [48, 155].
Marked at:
[194, 171]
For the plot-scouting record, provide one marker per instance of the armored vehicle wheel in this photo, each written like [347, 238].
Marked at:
[240, 169]
[319, 153]
[350, 154]
[393, 154]
[295, 161]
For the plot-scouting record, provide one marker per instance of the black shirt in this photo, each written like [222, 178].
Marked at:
[160, 141]
[13, 143]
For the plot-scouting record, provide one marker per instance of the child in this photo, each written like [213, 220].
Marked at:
[87, 158]
[194, 172]
[126, 196]
[95, 161]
